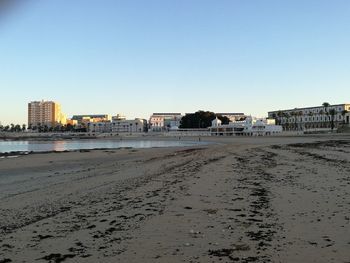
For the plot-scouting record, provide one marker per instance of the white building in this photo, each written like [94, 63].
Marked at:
[99, 127]
[128, 126]
[319, 117]
[248, 127]
[164, 121]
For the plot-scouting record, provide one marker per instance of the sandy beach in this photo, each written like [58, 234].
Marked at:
[267, 199]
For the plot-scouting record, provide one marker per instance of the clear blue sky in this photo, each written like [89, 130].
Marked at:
[142, 56]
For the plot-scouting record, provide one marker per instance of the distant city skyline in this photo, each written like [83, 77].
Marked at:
[139, 57]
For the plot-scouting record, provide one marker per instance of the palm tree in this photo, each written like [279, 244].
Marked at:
[300, 115]
[287, 116]
[39, 127]
[326, 106]
[17, 128]
[321, 112]
[343, 113]
[292, 114]
[332, 113]
[310, 114]
[280, 115]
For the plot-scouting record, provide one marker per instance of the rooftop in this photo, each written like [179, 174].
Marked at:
[304, 108]
[165, 113]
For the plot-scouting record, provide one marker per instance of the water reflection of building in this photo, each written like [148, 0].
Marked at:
[59, 146]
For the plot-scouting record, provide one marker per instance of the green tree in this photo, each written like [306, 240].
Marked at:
[280, 116]
[69, 127]
[17, 128]
[286, 115]
[201, 119]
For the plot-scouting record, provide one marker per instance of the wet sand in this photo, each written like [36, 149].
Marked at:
[270, 199]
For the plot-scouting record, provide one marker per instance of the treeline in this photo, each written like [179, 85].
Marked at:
[13, 128]
[58, 128]
[201, 119]
[42, 128]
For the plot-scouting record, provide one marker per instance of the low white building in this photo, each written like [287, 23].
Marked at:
[99, 127]
[248, 127]
[128, 126]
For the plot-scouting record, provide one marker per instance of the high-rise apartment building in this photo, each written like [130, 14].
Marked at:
[47, 113]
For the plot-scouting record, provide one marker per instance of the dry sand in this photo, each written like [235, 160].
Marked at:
[245, 200]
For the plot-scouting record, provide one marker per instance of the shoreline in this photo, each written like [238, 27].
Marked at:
[20, 153]
[201, 140]
[9, 136]
[245, 200]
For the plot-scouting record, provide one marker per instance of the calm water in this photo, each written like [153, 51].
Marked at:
[42, 146]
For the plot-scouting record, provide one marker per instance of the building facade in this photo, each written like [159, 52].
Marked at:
[91, 118]
[118, 126]
[164, 121]
[319, 117]
[129, 126]
[99, 127]
[45, 113]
